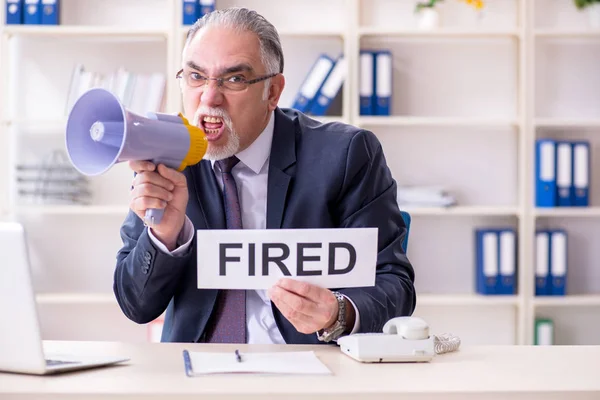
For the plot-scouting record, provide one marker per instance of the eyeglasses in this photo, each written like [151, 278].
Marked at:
[234, 83]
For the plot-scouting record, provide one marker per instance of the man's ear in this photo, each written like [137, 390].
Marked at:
[276, 88]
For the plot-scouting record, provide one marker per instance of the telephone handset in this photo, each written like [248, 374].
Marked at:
[403, 339]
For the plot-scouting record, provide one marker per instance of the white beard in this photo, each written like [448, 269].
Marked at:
[232, 145]
[220, 153]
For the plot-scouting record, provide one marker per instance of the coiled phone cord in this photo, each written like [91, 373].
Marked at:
[445, 343]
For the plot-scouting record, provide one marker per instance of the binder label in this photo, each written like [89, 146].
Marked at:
[542, 255]
[507, 254]
[366, 74]
[490, 256]
[559, 254]
[547, 161]
[580, 171]
[384, 75]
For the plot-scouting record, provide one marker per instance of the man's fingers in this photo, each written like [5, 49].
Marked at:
[298, 306]
[172, 175]
[302, 322]
[141, 166]
[304, 289]
[154, 179]
[149, 190]
[141, 204]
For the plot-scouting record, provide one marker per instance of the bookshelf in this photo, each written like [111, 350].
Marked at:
[469, 99]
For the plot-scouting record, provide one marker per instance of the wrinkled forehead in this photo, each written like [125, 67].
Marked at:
[218, 48]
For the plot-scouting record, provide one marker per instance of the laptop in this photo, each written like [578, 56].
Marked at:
[21, 346]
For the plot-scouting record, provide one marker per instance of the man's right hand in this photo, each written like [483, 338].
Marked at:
[164, 188]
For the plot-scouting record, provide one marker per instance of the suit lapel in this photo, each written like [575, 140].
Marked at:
[208, 214]
[208, 194]
[283, 155]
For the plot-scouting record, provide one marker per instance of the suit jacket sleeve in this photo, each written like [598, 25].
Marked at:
[145, 278]
[368, 199]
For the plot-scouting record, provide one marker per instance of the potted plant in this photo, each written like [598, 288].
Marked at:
[593, 10]
[429, 17]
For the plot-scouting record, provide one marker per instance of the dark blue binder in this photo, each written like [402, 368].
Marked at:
[581, 173]
[486, 261]
[545, 173]
[206, 7]
[313, 82]
[507, 262]
[32, 12]
[383, 82]
[191, 11]
[564, 173]
[50, 12]
[367, 82]
[542, 263]
[330, 89]
[558, 262]
[14, 12]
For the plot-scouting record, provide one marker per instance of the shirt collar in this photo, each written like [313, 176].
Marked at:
[255, 155]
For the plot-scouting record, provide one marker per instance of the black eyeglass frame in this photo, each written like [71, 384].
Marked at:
[248, 82]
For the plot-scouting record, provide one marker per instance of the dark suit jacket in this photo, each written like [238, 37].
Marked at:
[320, 176]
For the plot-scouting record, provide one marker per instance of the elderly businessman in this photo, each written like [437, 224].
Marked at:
[265, 168]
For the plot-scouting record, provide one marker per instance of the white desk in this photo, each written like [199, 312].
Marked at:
[156, 371]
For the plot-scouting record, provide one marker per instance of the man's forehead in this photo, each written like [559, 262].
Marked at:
[221, 47]
[225, 39]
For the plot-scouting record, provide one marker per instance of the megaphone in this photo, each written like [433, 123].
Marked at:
[101, 132]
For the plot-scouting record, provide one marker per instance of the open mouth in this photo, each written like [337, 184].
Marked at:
[212, 126]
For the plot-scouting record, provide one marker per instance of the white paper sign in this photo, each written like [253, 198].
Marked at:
[256, 259]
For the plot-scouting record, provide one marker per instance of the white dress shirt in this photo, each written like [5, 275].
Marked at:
[251, 176]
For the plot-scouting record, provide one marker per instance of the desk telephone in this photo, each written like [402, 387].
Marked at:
[404, 339]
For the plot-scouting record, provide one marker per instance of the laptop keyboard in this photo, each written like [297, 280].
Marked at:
[53, 363]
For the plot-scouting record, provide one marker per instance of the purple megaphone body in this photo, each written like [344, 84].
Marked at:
[101, 132]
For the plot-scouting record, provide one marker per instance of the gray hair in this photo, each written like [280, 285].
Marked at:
[243, 19]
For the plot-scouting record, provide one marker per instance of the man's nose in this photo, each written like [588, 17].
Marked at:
[211, 94]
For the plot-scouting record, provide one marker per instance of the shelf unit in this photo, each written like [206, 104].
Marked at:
[565, 105]
[467, 108]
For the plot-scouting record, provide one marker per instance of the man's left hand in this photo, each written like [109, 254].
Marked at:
[308, 307]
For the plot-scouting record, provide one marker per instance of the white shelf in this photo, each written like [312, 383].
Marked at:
[73, 210]
[556, 33]
[566, 123]
[76, 298]
[468, 211]
[84, 31]
[568, 212]
[53, 123]
[434, 121]
[438, 33]
[291, 32]
[466, 300]
[567, 301]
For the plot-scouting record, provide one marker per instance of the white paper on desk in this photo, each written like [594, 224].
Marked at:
[301, 362]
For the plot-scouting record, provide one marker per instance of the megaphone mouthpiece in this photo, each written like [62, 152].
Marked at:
[109, 133]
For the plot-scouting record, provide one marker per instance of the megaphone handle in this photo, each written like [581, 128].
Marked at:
[153, 216]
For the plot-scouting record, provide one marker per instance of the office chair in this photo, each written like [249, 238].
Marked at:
[407, 219]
